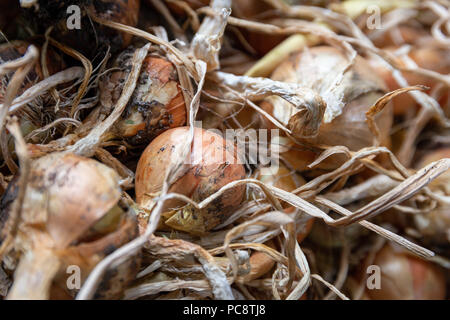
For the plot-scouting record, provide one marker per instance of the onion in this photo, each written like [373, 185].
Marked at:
[157, 103]
[344, 125]
[205, 171]
[427, 56]
[14, 50]
[435, 225]
[71, 216]
[406, 277]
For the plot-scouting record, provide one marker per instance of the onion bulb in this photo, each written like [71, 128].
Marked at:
[212, 163]
[156, 105]
[406, 277]
[344, 121]
[435, 225]
[71, 216]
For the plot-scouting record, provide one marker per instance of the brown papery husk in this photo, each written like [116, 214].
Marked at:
[358, 91]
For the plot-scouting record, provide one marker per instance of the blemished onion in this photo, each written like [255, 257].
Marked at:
[213, 163]
[72, 217]
[157, 103]
[317, 68]
[435, 225]
[406, 277]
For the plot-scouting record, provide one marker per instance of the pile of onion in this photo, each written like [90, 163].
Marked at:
[71, 218]
[212, 163]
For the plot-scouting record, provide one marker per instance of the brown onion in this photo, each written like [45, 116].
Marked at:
[406, 277]
[156, 105]
[207, 169]
[360, 89]
[71, 216]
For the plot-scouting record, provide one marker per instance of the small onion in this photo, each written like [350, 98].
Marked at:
[435, 225]
[71, 216]
[360, 89]
[213, 163]
[406, 277]
[157, 103]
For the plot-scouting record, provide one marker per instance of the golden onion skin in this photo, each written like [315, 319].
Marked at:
[205, 172]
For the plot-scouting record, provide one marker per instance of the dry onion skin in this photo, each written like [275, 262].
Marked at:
[344, 121]
[72, 217]
[405, 277]
[212, 163]
[157, 103]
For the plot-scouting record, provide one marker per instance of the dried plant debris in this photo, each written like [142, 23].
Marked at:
[180, 149]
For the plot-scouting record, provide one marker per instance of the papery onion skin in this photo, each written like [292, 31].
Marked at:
[206, 171]
[360, 89]
[157, 103]
[66, 196]
[406, 277]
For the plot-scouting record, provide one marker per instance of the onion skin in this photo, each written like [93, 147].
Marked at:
[361, 89]
[206, 172]
[157, 103]
[405, 277]
[66, 197]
